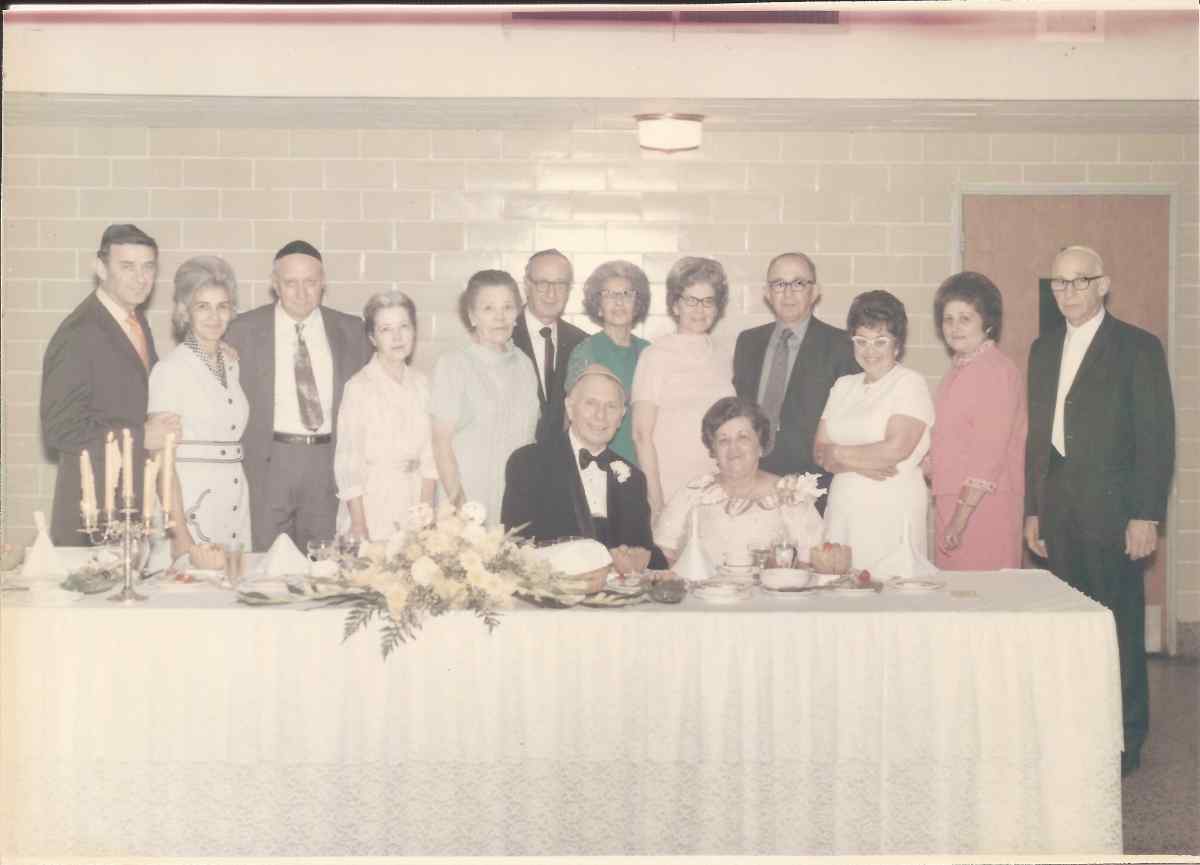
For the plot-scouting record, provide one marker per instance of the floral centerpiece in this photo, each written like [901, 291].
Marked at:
[445, 561]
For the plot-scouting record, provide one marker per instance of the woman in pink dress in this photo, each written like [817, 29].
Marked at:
[977, 459]
[678, 377]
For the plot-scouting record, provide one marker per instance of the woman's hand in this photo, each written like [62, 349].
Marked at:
[951, 538]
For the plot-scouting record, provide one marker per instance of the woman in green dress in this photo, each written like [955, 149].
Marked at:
[617, 297]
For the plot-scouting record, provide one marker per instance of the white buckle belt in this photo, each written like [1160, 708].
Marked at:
[208, 452]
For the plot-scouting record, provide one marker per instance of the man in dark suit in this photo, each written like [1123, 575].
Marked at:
[789, 366]
[296, 357]
[95, 375]
[541, 333]
[573, 485]
[1098, 462]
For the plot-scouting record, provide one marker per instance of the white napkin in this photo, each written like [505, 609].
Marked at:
[693, 564]
[283, 560]
[904, 562]
[42, 559]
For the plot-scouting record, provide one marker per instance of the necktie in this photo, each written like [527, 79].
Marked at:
[549, 357]
[138, 337]
[306, 385]
[772, 403]
[603, 459]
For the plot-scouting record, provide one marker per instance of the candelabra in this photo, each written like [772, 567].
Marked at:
[134, 535]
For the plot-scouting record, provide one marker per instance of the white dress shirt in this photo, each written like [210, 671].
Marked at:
[287, 406]
[1074, 348]
[595, 481]
[538, 342]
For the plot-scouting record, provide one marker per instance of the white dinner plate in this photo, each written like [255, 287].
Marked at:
[721, 594]
[852, 591]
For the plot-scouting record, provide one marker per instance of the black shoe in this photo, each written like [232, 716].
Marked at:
[1130, 761]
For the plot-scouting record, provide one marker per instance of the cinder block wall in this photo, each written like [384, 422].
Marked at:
[421, 210]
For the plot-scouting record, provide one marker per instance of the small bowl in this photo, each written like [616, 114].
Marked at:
[786, 578]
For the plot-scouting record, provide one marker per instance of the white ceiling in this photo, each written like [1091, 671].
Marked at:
[557, 113]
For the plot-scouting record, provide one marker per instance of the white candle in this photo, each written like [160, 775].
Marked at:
[127, 467]
[168, 476]
[87, 505]
[149, 498]
[112, 468]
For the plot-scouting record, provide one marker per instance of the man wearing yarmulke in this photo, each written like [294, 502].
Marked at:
[296, 357]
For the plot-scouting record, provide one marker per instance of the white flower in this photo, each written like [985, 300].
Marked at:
[425, 570]
[621, 470]
[395, 544]
[473, 534]
[420, 515]
[471, 562]
[473, 512]
[800, 488]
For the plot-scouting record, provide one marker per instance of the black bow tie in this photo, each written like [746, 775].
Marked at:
[603, 460]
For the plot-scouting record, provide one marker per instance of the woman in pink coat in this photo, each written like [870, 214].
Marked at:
[977, 456]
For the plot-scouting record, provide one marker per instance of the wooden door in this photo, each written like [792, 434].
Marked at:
[1014, 238]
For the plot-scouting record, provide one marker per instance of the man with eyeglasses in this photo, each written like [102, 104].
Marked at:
[789, 366]
[1098, 462]
[541, 333]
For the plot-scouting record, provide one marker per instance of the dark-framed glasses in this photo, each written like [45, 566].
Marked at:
[691, 301]
[875, 342]
[1077, 285]
[546, 285]
[795, 286]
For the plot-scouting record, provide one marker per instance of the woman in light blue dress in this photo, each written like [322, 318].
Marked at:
[483, 398]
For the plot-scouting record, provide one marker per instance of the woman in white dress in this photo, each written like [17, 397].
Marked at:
[198, 380]
[740, 508]
[872, 437]
[384, 459]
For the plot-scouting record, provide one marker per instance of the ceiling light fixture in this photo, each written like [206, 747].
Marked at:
[669, 133]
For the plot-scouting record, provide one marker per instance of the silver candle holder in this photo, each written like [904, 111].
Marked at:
[134, 535]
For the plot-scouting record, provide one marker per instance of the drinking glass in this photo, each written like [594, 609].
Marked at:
[319, 549]
[784, 554]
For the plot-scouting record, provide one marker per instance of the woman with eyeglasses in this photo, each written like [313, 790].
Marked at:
[617, 297]
[977, 459]
[872, 436]
[678, 378]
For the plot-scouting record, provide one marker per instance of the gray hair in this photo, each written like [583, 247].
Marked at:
[801, 256]
[551, 251]
[199, 272]
[626, 270]
[390, 300]
[691, 270]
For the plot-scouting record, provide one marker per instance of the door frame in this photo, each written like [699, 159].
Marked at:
[958, 241]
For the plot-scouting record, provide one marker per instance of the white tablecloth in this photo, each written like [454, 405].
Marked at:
[982, 719]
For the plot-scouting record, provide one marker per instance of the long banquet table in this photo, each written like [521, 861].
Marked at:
[984, 718]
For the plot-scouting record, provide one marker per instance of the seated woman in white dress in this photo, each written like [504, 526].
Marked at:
[384, 459]
[872, 437]
[198, 380]
[742, 507]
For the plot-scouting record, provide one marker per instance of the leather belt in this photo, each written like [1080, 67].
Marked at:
[295, 439]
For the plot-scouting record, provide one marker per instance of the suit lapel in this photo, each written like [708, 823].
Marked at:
[119, 339]
[757, 357]
[523, 341]
[614, 502]
[337, 351]
[1093, 359]
[813, 349]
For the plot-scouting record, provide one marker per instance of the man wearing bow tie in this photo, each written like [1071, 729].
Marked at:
[573, 485]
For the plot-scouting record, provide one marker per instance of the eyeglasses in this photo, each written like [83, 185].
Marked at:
[624, 294]
[876, 342]
[545, 285]
[796, 286]
[1077, 285]
[691, 302]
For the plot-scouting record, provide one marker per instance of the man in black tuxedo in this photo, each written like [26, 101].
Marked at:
[541, 333]
[573, 485]
[96, 373]
[1098, 462]
[789, 366]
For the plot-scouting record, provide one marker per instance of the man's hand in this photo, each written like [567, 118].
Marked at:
[1033, 537]
[1141, 539]
[877, 474]
[630, 560]
[157, 427]
[229, 351]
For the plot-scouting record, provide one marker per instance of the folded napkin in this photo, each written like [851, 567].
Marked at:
[904, 562]
[693, 564]
[42, 559]
[283, 560]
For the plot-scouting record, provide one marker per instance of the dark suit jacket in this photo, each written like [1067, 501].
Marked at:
[550, 421]
[825, 355]
[92, 381]
[542, 488]
[253, 335]
[1119, 425]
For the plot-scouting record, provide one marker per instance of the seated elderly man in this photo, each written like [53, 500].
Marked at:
[573, 485]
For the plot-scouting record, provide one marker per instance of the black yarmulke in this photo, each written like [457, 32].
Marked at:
[298, 247]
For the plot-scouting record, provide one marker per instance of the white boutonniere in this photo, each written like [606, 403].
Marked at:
[620, 470]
